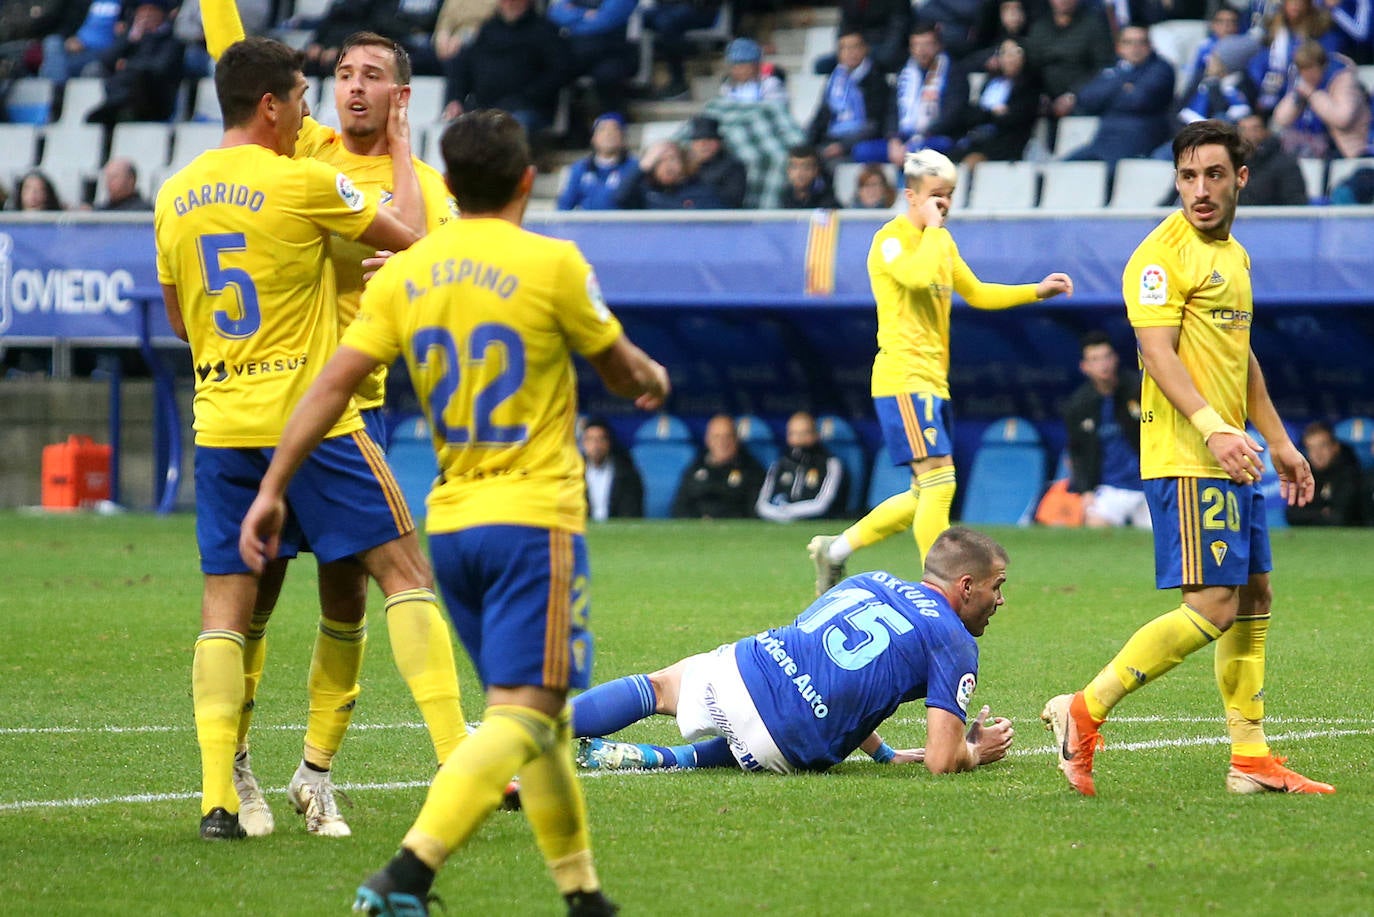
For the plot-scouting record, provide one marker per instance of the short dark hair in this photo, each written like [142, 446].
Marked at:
[1208, 132]
[485, 156]
[804, 151]
[926, 27]
[1318, 426]
[961, 550]
[371, 39]
[1095, 338]
[250, 69]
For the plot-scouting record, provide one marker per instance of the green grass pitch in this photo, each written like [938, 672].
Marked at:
[99, 770]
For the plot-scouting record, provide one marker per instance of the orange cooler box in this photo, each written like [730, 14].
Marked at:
[75, 473]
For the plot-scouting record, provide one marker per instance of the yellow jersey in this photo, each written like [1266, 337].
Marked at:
[1179, 278]
[243, 234]
[913, 274]
[487, 316]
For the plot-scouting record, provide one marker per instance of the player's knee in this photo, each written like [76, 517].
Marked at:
[1256, 598]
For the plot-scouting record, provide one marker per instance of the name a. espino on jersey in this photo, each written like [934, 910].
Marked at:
[465, 270]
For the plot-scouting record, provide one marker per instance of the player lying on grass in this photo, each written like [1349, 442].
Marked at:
[803, 697]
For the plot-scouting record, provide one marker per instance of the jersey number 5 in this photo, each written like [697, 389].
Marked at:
[219, 278]
[487, 341]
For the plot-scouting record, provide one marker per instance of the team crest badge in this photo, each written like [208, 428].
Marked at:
[965, 692]
[1154, 286]
[350, 195]
[1218, 551]
[929, 434]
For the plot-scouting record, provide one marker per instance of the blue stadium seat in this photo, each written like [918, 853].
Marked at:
[1358, 434]
[888, 479]
[665, 428]
[757, 438]
[1008, 475]
[661, 464]
[411, 457]
[1275, 507]
[839, 437]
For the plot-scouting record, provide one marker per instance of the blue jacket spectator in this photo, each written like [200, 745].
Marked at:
[596, 34]
[145, 67]
[596, 180]
[81, 41]
[1224, 23]
[1225, 90]
[663, 183]
[1132, 100]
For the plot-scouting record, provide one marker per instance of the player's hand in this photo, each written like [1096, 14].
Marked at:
[1238, 454]
[933, 211]
[1053, 285]
[989, 739]
[260, 534]
[1296, 484]
[659, 388]
[398, 119]
[908, 756]
[374, 264]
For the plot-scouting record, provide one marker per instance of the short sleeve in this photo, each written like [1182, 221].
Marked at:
[1152, 286]
[580, 307]
[953, 677]
[333, 202]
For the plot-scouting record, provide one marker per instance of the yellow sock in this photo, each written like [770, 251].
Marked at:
[217, 695]
[423, 649]
[552, 800]
[932, 515]
[473, 780]
[1240, 676]
[1153, 650]
[333, 687]
[889, 517]
[254, 656]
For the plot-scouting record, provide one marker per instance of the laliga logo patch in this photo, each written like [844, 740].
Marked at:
[350, 195]
[1218, 551]
[965, 692]
[1154, 286]
[891, 249]
[598, 301]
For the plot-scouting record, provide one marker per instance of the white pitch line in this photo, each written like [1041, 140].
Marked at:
[135, 730]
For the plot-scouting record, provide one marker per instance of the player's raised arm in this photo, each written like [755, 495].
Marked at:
[222, 25]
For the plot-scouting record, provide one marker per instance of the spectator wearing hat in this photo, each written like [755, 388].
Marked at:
[1224, 22]
[1225, 91]
[808, 185]
[748, 78]
[665, 183]
[670, 21]
[145, 68]
[713, 164]
[1275, 176]
[594, 181]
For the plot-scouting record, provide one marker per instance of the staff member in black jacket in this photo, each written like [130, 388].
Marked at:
[614, 487]
[806, 481]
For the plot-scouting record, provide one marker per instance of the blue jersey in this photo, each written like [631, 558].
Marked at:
[824, 682]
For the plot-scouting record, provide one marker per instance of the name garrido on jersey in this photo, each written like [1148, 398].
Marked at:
[235, 195]
[801, 681]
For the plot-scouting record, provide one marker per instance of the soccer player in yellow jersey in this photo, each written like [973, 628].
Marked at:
[1188, 296]
[914, 268]
[487, 317]
[242, 253]
[372, 147]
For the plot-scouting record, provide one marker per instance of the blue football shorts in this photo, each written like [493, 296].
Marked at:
[1208, 532]
[916, 426]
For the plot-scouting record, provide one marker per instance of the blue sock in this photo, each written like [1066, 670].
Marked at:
[610, 707]
[711, 753]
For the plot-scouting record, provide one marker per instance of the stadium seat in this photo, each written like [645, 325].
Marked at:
[1073, 132]
[1073, 186]
[74, 145]
[665, 428]
[1002, 186]
[324, 111]
[1341, 169]
[426, 98]
[1366, 73]
[82, 93]
[1358, 434]
[1141, 184]
[887, 479]
[804, 92]
[20, 143]
[1275, 506]
[661, 464]
[29, 100]
[839, 437]
[1313, 177]
[190, 139]
[846, 180]
[757, 438]
[412, 461]
[146, 143]
[1008, 475]
[1177, 40]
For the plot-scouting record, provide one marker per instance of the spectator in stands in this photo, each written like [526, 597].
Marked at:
[457, 25]
[1284, 31]
[928, 106]
[517, 62]
[614, 487]
[956, 23]
[999, 20]
[873, 190]
[1353, 22]
[1102, 418]
[806, 481]
[664, 182]
[37, 192]
[712, 163]
[1275, 176]
[145, 66]
[884, 25]
[121, 187]
[853, 105]
[30, 21]
[1325, 113]
[83, 35]
[1131, 100]
[595, 180]
[340, 20]
[748, 78]
[1001, 123]
[759, 134]
[670, 20]
[1066, 49]
[411, 23]
[808, 185]
[595, 31]
[724, 481]
[1225, 90]
[1336, 471]
[1355, 188]
[1225, 22]
[189, 27]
